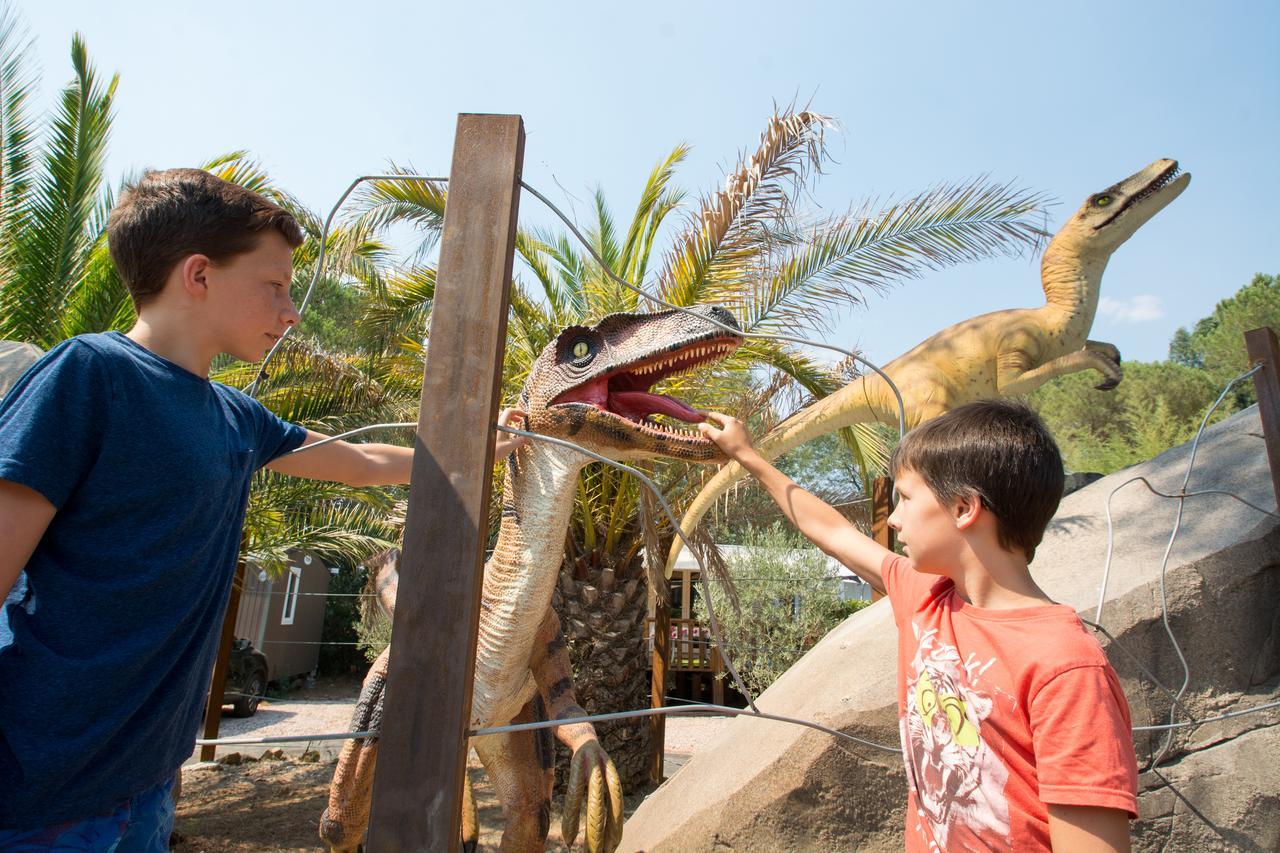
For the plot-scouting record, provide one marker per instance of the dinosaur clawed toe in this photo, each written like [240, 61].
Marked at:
[593, 777]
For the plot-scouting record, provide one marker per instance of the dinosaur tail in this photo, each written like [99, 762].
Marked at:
[864, 400]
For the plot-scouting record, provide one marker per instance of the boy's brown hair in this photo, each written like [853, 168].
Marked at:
[998, 450]
[169, 215]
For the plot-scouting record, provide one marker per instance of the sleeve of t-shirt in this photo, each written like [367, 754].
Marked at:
[276, 436]
[52, 421]
[1083, 741]
[903, 586]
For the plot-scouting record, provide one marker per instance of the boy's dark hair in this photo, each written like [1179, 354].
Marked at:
[999, 450]
[167, 216]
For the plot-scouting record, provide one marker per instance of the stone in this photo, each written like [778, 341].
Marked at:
[762, 785]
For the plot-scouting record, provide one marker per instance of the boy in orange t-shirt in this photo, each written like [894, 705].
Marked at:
[1015, 732]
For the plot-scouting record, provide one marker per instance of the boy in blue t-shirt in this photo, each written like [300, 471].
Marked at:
[124, 477]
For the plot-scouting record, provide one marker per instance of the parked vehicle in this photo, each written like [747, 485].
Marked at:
[246, 678]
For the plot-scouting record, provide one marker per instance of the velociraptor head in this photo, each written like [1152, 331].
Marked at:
[1108, 218]
[591, 384]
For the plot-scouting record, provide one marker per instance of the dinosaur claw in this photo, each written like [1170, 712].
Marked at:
[593, 779]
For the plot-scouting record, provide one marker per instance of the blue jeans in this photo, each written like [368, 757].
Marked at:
[141, 824]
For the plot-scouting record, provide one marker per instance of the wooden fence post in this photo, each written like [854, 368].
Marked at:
[417, 788]
[659, 662]
[213, 704]
[1263, 349]
[881, 509]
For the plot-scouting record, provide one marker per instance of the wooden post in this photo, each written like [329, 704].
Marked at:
[213, 705]
[1263, 349]
[417, 789]
[658, 683]
[881, 509]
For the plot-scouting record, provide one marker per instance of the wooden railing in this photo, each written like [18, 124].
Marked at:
[692, 649]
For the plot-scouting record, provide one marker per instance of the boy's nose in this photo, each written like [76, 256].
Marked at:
[290, 315]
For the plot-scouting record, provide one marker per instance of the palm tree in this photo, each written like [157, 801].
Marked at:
[745, 247]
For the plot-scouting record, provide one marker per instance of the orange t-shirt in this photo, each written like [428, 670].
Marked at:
[1001, 713]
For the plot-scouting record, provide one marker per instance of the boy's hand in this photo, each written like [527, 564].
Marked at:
[505, 442]
[729, 435]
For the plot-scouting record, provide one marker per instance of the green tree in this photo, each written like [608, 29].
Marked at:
[1216, 343]
[1158, 405]
[788, 598]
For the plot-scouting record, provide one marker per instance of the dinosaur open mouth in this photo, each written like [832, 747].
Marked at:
[624, 393]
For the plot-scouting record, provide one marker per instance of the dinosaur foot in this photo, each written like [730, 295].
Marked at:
[593, 778]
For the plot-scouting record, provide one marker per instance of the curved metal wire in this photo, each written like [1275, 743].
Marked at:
[252, 389]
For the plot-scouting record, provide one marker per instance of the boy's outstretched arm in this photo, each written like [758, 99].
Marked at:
[24, 516]
[816, 519]
[373, 464]
[1088, 829]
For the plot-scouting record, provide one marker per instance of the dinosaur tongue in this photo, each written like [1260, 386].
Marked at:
[635, 405]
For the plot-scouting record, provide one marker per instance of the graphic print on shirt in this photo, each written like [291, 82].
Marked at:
[959, 782]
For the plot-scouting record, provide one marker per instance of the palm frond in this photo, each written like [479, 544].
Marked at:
[870, 249]
[51, 251]
[657, 199]
[18, 81]
[725, 231]
[417, 203]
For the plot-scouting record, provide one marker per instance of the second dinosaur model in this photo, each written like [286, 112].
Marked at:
[590, 386]
[1001, 354]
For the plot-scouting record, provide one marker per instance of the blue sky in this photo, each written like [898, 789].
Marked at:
[1063, 98]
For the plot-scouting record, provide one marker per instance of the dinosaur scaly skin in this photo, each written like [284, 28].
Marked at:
[1001, 354]
[589, 385]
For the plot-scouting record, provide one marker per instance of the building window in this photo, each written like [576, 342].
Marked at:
[291, 596]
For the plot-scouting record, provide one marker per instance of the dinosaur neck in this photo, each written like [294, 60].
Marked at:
[537, 502]
[1072, 281]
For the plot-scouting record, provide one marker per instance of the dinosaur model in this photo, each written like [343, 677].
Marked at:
[1004, 353]
[591, 386]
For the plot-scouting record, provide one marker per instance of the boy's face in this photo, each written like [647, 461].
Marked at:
[926, 528]
[248, 305]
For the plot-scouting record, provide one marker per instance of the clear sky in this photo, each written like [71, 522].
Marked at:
[1066, 98]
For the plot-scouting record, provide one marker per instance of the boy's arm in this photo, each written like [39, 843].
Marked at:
[1089, 829]
[24, 516]
[816, 519]
[372, 464]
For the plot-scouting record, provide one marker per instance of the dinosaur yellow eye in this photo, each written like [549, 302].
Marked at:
[1102, 200]
[581, 349]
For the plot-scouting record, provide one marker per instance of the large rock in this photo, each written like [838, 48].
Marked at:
[770, 786]
[15, 358]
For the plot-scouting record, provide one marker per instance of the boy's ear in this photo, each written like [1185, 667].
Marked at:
[967, 510]
[194, 271]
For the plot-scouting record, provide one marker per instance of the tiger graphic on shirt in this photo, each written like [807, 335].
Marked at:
[958, 780]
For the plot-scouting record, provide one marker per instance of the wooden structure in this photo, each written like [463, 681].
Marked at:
[284, 616]
[1263, 350]
[213, 703]
[417, 790]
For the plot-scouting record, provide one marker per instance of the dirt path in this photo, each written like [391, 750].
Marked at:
[274, 804]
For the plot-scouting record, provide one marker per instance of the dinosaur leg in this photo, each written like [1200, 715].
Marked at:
[592, 776]
[1014, 380]
[521, 767]
[343, 823]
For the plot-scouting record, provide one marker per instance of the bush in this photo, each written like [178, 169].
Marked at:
[788, 600]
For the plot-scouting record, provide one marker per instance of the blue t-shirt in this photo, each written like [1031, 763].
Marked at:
[108, 641]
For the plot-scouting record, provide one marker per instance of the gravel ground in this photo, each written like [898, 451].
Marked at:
[290, 717]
